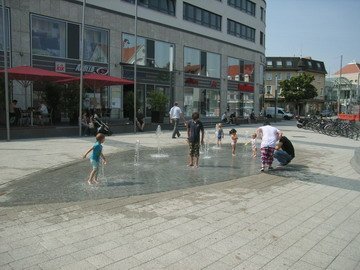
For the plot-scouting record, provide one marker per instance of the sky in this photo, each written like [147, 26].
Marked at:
[321, 29]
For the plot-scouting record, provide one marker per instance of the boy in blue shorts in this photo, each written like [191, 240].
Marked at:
[95, 158]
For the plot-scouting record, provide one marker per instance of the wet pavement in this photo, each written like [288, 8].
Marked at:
[120, 177]
[164, 215]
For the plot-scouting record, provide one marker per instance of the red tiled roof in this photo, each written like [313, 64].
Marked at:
[349, 68]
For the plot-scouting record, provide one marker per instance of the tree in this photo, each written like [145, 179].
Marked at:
[297, 89]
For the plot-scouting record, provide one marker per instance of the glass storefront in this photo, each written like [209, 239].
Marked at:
[242, 104]
[204, 101]
[151, 53]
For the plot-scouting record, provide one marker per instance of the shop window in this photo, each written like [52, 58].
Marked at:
[204, 101]
[129, 50]
[7, 29]
[48, 37]
[151, 53]
[249, 71]
[96, 45]
[201, 63]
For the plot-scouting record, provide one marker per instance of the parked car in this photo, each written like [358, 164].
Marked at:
[327, 113]
[270, 113]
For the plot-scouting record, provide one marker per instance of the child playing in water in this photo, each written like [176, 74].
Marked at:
[234, 138]
[253, 144]
[219, 133]
[95, 157]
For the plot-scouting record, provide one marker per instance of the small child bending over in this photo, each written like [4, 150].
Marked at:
[234, 138]
[95, 157]
[219, 133]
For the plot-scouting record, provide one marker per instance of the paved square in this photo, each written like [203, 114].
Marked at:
[303, 216]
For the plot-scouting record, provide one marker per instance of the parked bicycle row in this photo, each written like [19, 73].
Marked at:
[331, 127]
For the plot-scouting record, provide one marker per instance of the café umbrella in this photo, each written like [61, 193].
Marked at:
[25, 75]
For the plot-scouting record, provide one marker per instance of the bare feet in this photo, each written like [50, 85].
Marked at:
[89, 182]
[190, 165]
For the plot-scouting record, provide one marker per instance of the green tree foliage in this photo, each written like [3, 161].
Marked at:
[298, 89]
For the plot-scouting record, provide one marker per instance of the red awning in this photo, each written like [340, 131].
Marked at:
[29, 74]
[97, 81]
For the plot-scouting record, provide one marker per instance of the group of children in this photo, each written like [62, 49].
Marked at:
[219, 134]
[194, 129]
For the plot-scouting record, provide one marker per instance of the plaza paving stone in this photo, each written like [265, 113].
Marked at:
[224, 215]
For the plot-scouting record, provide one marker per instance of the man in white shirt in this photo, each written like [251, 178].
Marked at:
[174, 116]
[270, 135]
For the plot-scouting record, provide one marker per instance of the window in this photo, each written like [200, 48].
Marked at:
[7, 29]
[48, 37]
[279, 63]
[96, 45]
[201, 63]
[201, 16]
[268, 89]
[249, 71]
[309, 64]
[234, 69]
[262, 14]
[212, 65]
[278, 76]
[241, 30]
[51, 37]
[288, 76]
[262, 39]
[318, 65]
[164, 6]
[243, 5]
[269, 63]
[204, 101]
[268, 76]
[128, 50]
[151, 53]
[192, 61]
[289, 63]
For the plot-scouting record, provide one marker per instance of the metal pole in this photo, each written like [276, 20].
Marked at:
[6, 74]
[81, 64]
[135, 69]
[171, 63]
[357, 92]
[276, 92]
[339, 89]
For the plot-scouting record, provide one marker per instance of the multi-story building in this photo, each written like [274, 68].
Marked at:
[283, 68]
[344, 96]
[216, 49]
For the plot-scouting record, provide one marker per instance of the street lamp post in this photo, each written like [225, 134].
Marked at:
[339, 88]
[6, 74]
[81, 65]
[135, 66]
[276, 96]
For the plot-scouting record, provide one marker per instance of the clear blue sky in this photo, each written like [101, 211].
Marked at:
[322, 29]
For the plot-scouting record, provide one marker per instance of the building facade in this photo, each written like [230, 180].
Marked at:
[283, 68]
[344, 90]
[207, 55]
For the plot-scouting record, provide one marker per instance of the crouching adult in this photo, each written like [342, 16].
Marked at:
[284, 151]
